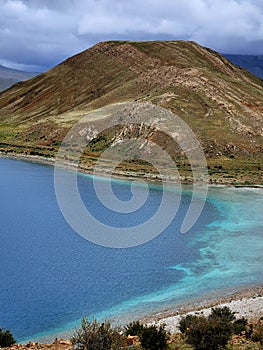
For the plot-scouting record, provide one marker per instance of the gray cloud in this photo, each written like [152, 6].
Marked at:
[37, 34]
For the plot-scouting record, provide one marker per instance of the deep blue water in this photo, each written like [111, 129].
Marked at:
[50, 277]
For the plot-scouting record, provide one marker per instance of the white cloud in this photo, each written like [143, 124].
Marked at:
[43, 32]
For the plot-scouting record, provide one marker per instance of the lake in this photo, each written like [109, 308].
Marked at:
[50, 277]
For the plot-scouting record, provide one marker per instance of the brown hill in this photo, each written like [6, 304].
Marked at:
[222, 103]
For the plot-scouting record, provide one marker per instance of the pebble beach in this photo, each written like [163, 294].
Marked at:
[247, 304]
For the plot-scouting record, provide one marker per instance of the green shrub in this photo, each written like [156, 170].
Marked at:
[154, 338]
[93, 335]
[134, 328]
[151, 337]
[239, 326]
[6, 338]
[223, 313]
[211, 333]
[219, 332]
[186, 322]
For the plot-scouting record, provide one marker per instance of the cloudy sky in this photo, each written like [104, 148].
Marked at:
[38, 34]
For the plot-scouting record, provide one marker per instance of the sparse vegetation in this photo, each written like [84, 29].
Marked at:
[154, 338]
[93, 335]
[217, 331]
[151, 337]
[134, 328]
[239, 326]
[257, 334]
[209, 333]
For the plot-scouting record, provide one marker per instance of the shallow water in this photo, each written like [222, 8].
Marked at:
[50, 277]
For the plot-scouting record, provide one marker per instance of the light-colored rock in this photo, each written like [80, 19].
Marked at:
[248, 307]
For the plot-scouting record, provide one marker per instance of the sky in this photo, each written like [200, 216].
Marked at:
[36, 35]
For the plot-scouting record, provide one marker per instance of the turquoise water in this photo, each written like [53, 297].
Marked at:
[50, 277]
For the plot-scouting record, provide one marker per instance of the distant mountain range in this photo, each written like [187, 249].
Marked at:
[221, 102]
[254, 64]
[9, 76]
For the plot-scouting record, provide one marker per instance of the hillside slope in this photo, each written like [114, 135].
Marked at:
[222, 103]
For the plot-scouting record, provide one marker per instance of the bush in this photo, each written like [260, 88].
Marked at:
[151, 337]
[6, 338]
[93, 335]
[186, 322]
[224, 313]
[219, 332]
[196, 333]
[239, 326]
[210, 333]
[134, 328]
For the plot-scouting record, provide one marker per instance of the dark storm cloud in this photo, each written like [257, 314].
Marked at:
[37, 34]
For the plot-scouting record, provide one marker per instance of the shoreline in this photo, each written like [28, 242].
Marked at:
[196, 305]
[118, 176]
[247, 303]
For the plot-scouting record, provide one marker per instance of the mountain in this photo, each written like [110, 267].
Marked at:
[221, 102]
[9, 76]
[254, 64]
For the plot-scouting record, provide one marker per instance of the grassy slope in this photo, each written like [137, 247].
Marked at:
[222, 103]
